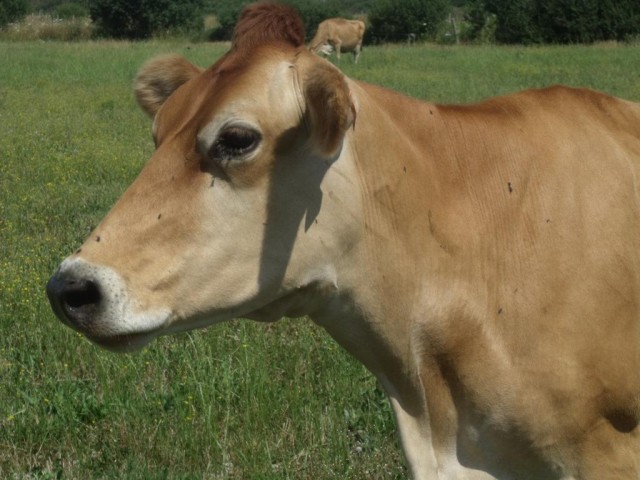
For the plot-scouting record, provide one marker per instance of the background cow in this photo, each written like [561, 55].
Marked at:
[482, 261]
[340, 35]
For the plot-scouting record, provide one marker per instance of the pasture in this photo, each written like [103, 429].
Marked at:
[237, 401]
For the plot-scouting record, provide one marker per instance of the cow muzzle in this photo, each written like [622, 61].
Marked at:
[94, 301]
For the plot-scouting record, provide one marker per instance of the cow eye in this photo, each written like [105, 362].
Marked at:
[234, 142]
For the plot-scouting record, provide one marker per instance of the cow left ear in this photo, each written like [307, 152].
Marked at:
[159, 78]
[330, 110]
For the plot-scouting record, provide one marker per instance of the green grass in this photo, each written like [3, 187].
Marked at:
[238, 401]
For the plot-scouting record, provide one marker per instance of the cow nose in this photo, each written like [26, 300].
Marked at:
[74, 300]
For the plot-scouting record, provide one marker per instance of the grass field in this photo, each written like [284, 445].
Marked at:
[238, 401]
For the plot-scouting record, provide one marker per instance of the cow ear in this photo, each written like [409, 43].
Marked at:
[159, 78]
[330, 110]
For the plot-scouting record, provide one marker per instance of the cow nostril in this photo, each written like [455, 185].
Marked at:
[75, 300]
[81, 294]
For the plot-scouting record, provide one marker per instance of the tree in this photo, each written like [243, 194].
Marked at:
[395, 20]
[71, 10]
[619, 19]
[560, 21]
[12, 10]
[586, 21]
[227, 13]
[569, 21]
[517, 20]
[137, 19]
[476, 17]
[313, 13]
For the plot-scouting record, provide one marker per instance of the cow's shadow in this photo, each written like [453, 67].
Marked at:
[294, 199]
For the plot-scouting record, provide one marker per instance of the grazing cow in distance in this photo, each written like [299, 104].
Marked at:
[482, 261]
[340, 35]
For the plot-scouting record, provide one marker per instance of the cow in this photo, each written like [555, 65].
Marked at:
[482, 261]
[340, 35]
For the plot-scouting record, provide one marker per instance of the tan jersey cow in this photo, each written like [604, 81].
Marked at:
[340, 35]
[482, 261]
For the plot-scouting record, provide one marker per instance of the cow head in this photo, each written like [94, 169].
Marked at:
[324, 49]
[243, 209]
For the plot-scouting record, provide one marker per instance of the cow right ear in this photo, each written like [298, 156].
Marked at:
[330, 110]
[159, 78]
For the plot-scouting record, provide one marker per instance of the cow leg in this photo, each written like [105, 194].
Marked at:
[337, 45]
[356, 52]
[416, 434]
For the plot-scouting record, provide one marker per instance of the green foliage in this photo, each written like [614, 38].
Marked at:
[586, 21]
[476, 18]
[620, 19]
[516, 20]
[71, 10]
[480, 25]
[395, 20]
[356, 6]
[64, 9]
[313, 13]
[556, 21]
[138, 19]
[12, 10]
[47, 6]
[227, 13]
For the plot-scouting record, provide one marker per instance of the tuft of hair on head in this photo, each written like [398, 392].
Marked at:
[266, 22]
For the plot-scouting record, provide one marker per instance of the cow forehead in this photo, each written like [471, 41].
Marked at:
[261, 88]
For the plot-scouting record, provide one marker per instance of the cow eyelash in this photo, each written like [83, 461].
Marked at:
[234, 142]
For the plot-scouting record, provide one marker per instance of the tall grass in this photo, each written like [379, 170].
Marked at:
[39, 26]
[239, 401]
